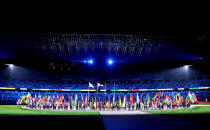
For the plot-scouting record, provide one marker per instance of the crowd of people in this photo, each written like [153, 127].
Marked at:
[97, 103]
[121, 84]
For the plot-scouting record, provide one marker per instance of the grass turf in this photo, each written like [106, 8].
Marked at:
[195, 110]
[17, 110]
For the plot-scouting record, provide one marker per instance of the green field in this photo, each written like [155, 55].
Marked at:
[17, 110]
[195, 110]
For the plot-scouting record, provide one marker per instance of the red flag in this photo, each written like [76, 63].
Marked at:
[86, 101]
[131, 99]
[81, 99]
[108, 106]
[61, 98]
[158, 100]
[57, 98]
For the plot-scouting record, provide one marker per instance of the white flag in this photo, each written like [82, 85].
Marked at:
[137, 98]
[98, 85]
[124, 101]
[91, 85]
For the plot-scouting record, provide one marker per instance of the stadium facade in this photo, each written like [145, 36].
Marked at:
[56, 64]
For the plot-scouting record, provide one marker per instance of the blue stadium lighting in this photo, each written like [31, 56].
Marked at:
[110, 62]
[91, 61]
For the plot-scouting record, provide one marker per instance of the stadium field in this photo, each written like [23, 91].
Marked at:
[17, 110]
[195, 110]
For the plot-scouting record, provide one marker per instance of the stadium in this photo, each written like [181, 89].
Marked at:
[105, 81]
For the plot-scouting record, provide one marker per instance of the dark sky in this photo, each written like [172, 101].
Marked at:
[160, 21]
[130, 27]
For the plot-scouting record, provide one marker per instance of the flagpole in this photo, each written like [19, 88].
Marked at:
[97, 95]
[114, 91]
[114, 88]
[88, 93]
[105, 89]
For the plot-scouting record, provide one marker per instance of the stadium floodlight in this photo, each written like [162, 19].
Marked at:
[11, 66]
[90, 61]
[186, 66]
[110, 62]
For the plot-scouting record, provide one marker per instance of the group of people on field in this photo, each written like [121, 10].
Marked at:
[159, 102]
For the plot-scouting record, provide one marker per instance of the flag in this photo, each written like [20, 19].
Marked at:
[119, 101]
[131, 99]
[188, 97]
[62, 99]
[69, 99]
[57, 98]
[166, 100]
[86, 101]
[95, 103]
[162, 96]
[92, 102]
[108, 106]
[174, 100]
[24, 99]
[28, 98]
[178, 97]
[19, 101]
[72, 101]
[148, 99]
[113, 99]
[81, 99]
[91, 85]
[75, 99]
[44, 99]
[124, 101]
[154, 97]
[196, 100]
[99, 85]
[35, 98]
[191, 98]
[48, 100]
[137, 98]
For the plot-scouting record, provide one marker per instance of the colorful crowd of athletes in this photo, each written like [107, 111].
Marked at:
[158, 102]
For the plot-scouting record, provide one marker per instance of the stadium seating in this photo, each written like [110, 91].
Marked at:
[12, 96]
[65, 84]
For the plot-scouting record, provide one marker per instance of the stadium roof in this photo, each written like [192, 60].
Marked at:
[122, 47]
